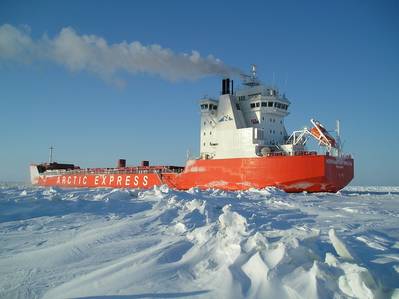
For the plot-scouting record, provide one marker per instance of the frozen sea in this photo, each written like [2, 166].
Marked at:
[161, 243]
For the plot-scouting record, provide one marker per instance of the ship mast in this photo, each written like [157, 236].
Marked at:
[250, 80]
[50, 158]
[338, 132]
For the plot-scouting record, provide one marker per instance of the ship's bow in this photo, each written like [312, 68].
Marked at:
[34, 174]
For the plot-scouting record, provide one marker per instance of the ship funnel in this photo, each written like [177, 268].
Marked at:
[121, 163]
[226, 86]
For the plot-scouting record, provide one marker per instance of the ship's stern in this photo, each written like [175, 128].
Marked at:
[339, 172]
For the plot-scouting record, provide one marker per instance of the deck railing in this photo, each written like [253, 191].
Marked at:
[124, 170]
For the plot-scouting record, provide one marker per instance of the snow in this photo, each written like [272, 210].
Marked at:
[161, 243]
[339, 246]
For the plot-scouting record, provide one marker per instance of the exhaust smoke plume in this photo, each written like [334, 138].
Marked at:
[93, 54]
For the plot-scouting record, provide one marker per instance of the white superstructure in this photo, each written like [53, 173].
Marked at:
[248, 122]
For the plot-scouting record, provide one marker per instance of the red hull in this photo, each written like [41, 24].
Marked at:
[311, 173]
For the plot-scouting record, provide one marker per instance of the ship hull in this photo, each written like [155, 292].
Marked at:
[311, 173]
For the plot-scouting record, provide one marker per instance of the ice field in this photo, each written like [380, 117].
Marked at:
[160, 243]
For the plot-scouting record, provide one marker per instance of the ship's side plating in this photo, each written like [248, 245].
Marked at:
[120, 177]
[306, 172]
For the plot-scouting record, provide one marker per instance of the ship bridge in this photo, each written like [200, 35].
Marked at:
[244, 123]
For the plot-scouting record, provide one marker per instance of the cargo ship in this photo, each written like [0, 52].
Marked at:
[243, 145]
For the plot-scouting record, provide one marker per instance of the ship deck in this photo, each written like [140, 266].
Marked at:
[120, 170]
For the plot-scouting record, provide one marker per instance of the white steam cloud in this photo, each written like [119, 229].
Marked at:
[93, 54]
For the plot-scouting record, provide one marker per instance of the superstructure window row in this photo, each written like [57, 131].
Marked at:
[280, 105]
[209, 107]
[270, 104]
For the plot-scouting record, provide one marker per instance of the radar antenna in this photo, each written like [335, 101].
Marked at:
[250, 80]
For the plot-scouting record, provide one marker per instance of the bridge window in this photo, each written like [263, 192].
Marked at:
[270, 104]
[238, 106]
[252, 105]
[264, 104]
[258, 104]
[215, 107]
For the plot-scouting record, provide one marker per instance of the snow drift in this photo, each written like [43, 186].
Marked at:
[202, 244]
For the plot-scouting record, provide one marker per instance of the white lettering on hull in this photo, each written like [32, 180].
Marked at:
[339, 162]
[104, 180]
[127, 180]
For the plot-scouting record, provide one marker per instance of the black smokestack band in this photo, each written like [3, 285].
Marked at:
[226, 86]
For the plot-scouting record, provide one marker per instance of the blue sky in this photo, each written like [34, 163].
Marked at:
[334, 60]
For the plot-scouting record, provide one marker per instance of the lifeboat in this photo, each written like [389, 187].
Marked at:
[321, 134]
